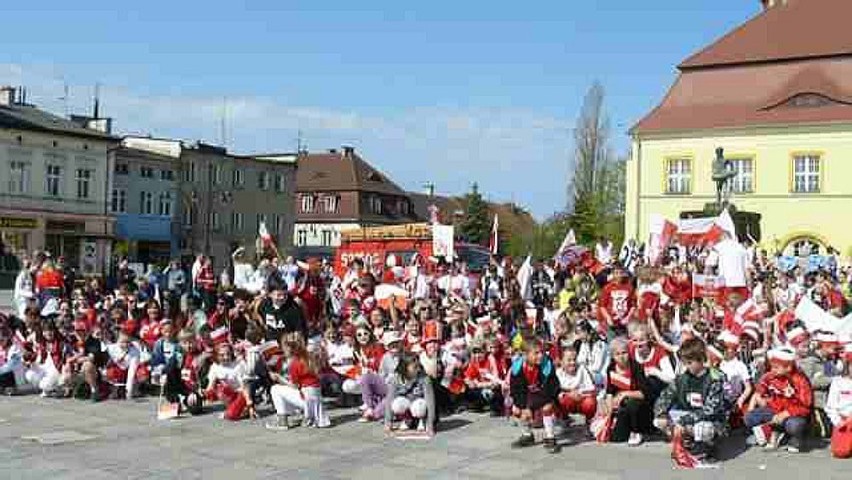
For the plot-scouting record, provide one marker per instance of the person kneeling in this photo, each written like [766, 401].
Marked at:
[300, 392]
[693, 406]
[782, 403]
[533, 387]
[411, 398]
[577, 387]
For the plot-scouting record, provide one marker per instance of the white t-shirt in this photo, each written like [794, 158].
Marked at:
[733, 263]
[581, 382]
[737, 373]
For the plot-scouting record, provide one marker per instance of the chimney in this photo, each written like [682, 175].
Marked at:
[348, 151]
[772, 3]
[7, 96]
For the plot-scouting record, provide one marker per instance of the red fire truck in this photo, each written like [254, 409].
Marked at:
[373, 245]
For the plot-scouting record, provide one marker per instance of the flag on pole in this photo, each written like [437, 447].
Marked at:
[263, 232]
[494, 244]
[569, 241]
[524, 275]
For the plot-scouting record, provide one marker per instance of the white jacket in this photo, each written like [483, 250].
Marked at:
[839, 403]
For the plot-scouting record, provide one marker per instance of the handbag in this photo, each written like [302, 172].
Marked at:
[841, 440]
[601, 427]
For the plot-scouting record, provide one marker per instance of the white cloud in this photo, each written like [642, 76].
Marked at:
[514, 154]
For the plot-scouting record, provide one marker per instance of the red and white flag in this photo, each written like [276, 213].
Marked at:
[494, 241]
[263, 232]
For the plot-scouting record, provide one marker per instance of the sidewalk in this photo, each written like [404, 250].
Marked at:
[5, 301]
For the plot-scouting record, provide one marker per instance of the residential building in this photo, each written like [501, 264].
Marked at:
[779, 101]
[220, 198]
[54, 183]
[144, 200]
[339, 190]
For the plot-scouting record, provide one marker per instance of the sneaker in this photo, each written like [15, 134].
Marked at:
[775, 441]
[525, 440]
[793, 449]
[280, 422]
[366, 417]
[762, 434]
[421, 426]
[404, 426]
[635, 439]
[550, 445]
[363, 407]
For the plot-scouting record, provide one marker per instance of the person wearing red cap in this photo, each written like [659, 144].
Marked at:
[818, 371]
[782, 403]
[838, 407]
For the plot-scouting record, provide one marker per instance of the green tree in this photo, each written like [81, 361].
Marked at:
[596, 190]
[476, 226]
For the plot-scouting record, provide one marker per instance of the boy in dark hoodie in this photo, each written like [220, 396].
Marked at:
[694, 404]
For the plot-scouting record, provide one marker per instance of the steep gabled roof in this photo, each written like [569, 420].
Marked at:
[341, 171]
[797, 30]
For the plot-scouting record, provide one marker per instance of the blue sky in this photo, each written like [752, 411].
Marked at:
[447, 92]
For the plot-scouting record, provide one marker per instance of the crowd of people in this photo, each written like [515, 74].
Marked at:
[621, 346]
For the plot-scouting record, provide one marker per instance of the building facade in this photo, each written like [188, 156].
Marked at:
[143, 199]
[54, 183]
[779, 105]
[338, 191]
[219, 198]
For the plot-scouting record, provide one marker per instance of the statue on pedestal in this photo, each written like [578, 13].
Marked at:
[722, 175]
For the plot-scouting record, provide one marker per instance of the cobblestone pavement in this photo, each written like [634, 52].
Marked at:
[47, 439]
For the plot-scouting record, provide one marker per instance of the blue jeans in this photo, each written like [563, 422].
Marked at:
[795, 427]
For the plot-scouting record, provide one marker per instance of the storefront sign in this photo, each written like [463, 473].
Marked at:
[10, 222]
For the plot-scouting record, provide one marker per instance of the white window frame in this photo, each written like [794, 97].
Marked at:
[806, 173]
[263, 180]
[237, 177]
[331, 203]
[743, 182]
[53, 180]
[307, 203]
[376, 205]
[167, 175]
[84, 183]
[118, 200]
[122, 168]
[165, 202]
[19, 177]
[237, 222]
[279, 223]
[146, 203]
[262, 218]
[326, 236]
[679, 176]
[189, 215]
[279, 183]
[146, 172]
[214, 220]
[301, 238]
[217, 174]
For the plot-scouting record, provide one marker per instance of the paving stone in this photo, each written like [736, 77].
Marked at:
[59, 438]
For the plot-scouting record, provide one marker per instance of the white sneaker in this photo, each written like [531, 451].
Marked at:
[363, 407]
[403, 426]
[635, 439]
[792, 449]
[421, 426]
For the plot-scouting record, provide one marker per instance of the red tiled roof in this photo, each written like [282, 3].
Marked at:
[337, 171]
[800, 29]
[749, 85]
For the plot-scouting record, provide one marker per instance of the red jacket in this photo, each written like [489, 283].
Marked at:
[301, 375]
[618, 300]
[791, 393]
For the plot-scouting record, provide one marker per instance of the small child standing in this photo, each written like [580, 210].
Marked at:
[533, 387]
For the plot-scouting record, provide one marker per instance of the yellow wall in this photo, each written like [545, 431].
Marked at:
[826, 215]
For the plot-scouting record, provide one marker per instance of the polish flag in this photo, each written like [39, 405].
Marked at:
[494, 243]
[263, 232]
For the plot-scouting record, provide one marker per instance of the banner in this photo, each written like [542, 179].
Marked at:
[706, 286]
[442, 241]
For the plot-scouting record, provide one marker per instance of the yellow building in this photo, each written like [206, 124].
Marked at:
[776, 94]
